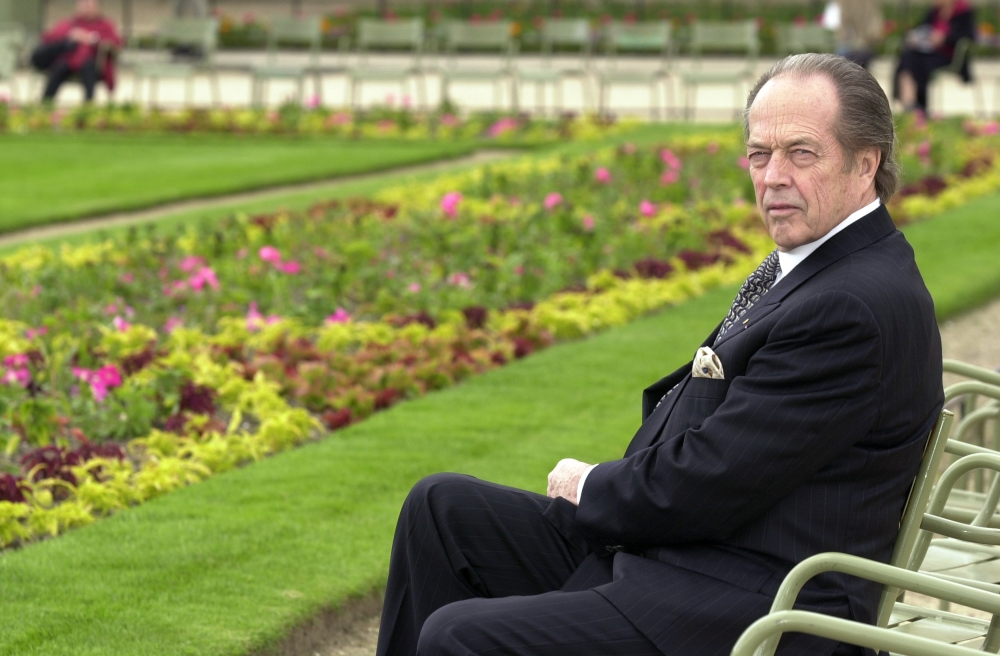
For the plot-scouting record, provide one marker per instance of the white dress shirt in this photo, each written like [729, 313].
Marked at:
[788, 261]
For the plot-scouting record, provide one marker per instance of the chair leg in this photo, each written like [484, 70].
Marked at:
[557, 93]
[654, 105]
[978, 99]
[422, 92]
[586, 91]
[188, 90]
[154, 98]
[515, 93]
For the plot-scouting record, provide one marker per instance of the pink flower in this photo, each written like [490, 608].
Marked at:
[21, 376]
[32, 333]
[291, 267]
[647, 208]
[667, 157]
[270, 254]
[713, 147]
[924, 149]
[502, 127]
[602, 175]
[254, 318]
[172, 324]
[450, 202]
[669, 177]
[449, 120]
[191, 262]
[109, 375]
[127, 278]
[120, 324]
[553, 200]
[991, 128]
[588, 223]
[414, 287]
[242, 253]
[204, 276]
[100, 380]
[407, 102]
[460, 279]
[340, 316]
[16, 360]
[313, 102]
[629, 149]
[111, 309]
[743, 163]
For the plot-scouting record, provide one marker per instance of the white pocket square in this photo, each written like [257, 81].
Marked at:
[707, 364]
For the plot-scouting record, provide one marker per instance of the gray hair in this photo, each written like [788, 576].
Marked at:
[864, 119]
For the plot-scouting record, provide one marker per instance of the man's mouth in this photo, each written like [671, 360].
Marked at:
[781, 208]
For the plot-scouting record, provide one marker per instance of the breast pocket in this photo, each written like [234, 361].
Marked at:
[701, 397]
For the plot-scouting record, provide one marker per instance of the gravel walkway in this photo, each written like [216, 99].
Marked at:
[973, 337]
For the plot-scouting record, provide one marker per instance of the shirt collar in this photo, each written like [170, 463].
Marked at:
[797, 255]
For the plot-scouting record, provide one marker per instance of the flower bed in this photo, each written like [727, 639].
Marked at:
[137, 365]
[293, 119]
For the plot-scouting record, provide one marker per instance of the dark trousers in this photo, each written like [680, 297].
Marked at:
[48, 59]
[921, 65]
[478, 568]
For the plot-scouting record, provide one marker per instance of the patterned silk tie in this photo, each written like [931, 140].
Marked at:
[759, 282]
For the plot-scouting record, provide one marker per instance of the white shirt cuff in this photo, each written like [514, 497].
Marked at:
[583, 479]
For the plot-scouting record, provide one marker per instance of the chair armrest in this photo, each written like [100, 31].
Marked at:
[770, 627]
[880, 573]
[971, 387]
[981, 374]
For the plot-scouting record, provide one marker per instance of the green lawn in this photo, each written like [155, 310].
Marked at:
[46, 178]
[230, 564]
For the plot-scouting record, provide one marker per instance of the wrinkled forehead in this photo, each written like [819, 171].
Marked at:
[793, 107]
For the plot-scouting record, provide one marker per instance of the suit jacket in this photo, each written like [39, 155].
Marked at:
[810, 444]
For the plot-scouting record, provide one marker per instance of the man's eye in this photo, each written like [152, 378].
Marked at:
[801, 152]
[757, 157]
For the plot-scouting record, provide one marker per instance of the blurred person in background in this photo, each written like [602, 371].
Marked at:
[84, 46]
[930, 46]
[858, 28]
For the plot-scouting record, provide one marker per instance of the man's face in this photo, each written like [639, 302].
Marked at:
[88, 8]
[797, 165]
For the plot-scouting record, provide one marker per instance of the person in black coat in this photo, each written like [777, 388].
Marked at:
[797, 429]
[930, 46]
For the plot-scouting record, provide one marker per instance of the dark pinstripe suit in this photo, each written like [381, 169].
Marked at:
[810, 444]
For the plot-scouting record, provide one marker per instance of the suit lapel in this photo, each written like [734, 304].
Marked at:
[859, 235]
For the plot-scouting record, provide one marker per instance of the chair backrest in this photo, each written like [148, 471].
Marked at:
[916, 504]
[8, 58]
[963, 52]
[201, 33]
[646, 36]
[492, 36]
[566, 32]
[737, 37]
[13, 34]
[304, 31]
[810, 37]
[403, 34]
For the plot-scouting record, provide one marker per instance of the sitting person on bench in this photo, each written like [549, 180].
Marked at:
[83, 46]
[797, 429]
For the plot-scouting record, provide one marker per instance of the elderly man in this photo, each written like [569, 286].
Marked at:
[81, 46]
[797, 429]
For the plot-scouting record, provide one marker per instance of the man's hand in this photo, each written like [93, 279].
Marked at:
[563, 480]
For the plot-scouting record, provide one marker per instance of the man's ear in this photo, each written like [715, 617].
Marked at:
[867, 163]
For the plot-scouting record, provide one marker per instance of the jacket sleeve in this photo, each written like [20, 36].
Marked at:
[58, 32]
[961, 26]
[808, 394]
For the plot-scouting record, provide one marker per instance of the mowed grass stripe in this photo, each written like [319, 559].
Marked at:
[230, 564]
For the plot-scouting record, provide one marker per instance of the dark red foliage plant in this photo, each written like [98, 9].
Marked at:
[335, 419]
[694, 260]
[10, 489]
[475, 317]
[653, 268]
[197, 399]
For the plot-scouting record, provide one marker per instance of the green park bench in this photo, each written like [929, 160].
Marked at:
[399, 35]
[494, 38]
[732, 38]
[11, 43]
[792, 39]
[963, 54]
[299, 31]
[652, 37]
[563, 35]
[196, 35]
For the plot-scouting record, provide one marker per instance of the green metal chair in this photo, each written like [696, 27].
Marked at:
[732, 38]
[963, 53]
[494, 37]
[561, 33]
[197, 34]
[793, 39]
[11, 43]
[399, 35]
[654, 37]
[302, 31]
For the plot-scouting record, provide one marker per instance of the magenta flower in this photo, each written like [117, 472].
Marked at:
[111, 309]
[191, 262]
[502, 127]
[101, 381]
[204, 276]
[240, 254]
[270, 254]
[172, 324]
[127, 278]
[16, 360]
[712, 148]
[20, 376]
[553, 200]
[460, 279]
[450, 202]
[991, 128]
[588, 223]
[668, 157]
[743, 163]
[32, 333]
[449, 120]
[669, 177]
[340, 316]
[120, 324]
[924, 149]
[290, 267]
[254, 318]
[602, 175]
[414, 287]
[109, 375]
[647, 208]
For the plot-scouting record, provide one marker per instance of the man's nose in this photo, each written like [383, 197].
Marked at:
[776, 171]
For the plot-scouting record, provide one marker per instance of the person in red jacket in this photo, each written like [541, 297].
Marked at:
[84, 46]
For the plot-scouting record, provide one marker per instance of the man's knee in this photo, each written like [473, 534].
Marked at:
[429, 493]
[448, 631]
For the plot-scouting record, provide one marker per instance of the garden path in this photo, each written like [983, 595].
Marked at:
[972, 337]
[118, 219]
